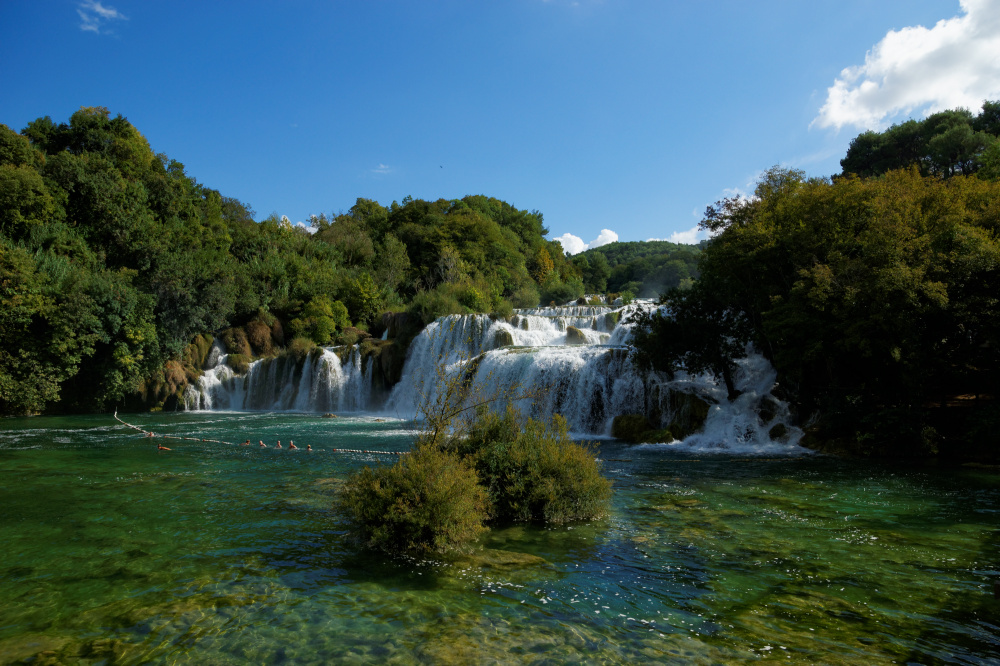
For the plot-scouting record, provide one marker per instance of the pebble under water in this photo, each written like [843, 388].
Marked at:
[113, 552]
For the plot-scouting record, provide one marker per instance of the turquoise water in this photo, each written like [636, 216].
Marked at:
[113, 552]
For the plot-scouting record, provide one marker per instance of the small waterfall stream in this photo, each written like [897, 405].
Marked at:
[570, 360]
[320, 382]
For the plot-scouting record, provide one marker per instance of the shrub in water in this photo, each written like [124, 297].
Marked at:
[532, 470]
[429, 501]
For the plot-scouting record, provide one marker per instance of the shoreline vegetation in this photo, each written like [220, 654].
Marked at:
[873, 293]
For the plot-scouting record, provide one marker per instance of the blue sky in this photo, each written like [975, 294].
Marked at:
[614, 118]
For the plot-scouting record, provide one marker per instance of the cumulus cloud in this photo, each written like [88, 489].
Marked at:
[954, 64]
[382, 168]
[689, 237]
[94, 15]
[575, 245]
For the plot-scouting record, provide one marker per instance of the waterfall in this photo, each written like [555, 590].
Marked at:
[571, 360]
[319, 382]
[530, 362]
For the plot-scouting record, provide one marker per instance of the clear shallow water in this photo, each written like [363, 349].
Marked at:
[114, 552]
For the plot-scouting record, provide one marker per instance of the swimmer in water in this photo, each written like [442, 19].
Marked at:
[160, 447]
[309, 447]
[246, 443]
[262, 445]
[291, 445]
[279, 444]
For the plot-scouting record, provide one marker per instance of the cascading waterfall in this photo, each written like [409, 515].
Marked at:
[570, 360]
[320, 382]
[589, 383]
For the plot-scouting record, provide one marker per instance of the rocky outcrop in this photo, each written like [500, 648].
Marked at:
[575, 336]
[402, 326]
[503, 338]
[636, 428]
[688, 413]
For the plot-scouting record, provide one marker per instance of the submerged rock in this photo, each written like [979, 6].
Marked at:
[491, 557]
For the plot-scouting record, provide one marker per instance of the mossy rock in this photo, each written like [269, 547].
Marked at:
[503, 338]
[575, 336]
[236, 342]
[656, 436]
[372, 348]
[301, 347]
[779, 432]
[581, 301]
[689, 413]
[611, 320]
[630, 427]
[240, 363]
[258, 334]
[352, 336]
[390, 362]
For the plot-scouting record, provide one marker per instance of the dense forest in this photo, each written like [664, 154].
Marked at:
[642, 268]
[876, 296]
[117, 268]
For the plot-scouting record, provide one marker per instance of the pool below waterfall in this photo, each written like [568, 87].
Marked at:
[113, 552]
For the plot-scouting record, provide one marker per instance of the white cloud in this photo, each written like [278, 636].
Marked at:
[606, 236]
[954, 64]
[94, 15]
[572, 244]
[575, 245]
[689, 237]
[382, 168]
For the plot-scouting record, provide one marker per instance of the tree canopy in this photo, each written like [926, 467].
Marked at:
[875, 299]
[944, 144]
[114, 262]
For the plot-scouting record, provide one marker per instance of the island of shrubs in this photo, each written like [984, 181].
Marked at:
[502, 469]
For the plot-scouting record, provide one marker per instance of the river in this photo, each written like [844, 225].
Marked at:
[212, 553]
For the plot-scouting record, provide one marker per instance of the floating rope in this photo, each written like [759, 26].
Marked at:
[147, 433]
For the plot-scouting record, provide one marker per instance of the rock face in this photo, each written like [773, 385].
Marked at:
[401, 325]
[575, 336]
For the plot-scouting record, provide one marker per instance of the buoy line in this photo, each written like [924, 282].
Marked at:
[147, 433]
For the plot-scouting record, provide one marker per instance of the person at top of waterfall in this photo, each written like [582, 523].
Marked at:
[262, 444]
[278, 445]
[291, 445]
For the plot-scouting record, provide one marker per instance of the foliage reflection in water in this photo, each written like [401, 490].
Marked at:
[115, 552]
